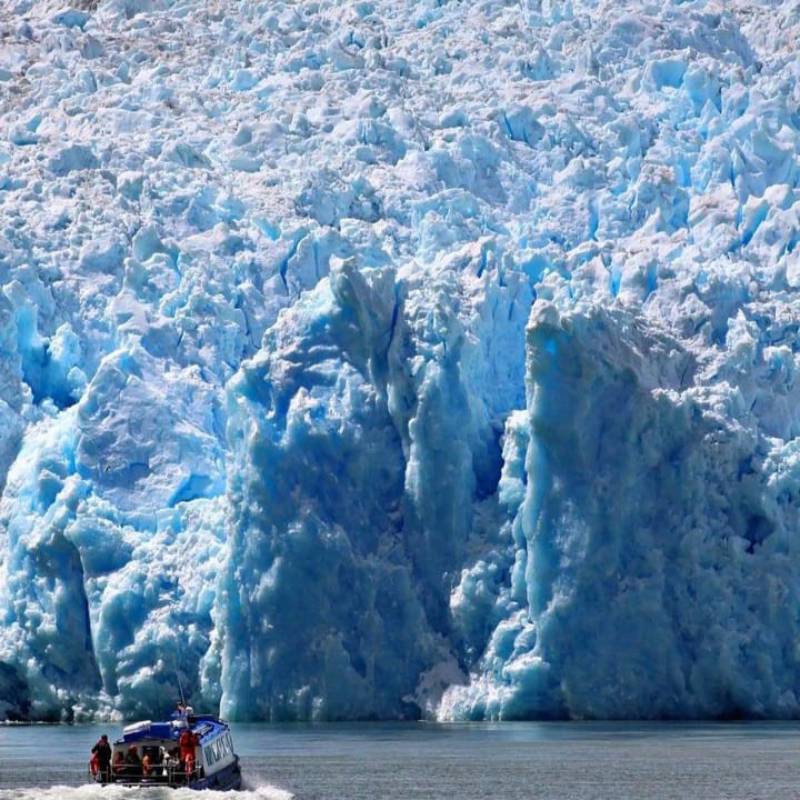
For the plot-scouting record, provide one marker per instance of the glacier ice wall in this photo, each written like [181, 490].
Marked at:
[655, 562]
[392, 359]
[360, 437]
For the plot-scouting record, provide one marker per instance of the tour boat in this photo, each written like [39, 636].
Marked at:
[150, 754]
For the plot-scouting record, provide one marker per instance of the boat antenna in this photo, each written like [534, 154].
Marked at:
[180, 688]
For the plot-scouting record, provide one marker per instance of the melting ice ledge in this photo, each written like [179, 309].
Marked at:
[387, 360]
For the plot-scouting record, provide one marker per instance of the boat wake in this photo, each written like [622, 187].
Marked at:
[260, 791]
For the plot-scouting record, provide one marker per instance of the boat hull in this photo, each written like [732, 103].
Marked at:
[227, 779]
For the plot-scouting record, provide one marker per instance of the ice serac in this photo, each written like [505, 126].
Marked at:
[321, 615]
[358, 447]
[657, 548]
[398, 358]
[108, 570]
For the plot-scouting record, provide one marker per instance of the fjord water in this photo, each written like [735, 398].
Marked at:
[508, 761]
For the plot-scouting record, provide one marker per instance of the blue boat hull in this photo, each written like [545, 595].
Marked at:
[227, 779]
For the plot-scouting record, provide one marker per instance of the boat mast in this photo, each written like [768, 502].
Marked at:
[180, 689]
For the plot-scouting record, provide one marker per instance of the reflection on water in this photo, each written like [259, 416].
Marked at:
[508, 761]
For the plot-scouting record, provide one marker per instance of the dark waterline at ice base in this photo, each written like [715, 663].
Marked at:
[509, 761]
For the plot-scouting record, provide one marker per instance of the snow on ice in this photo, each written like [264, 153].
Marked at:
[399, 359]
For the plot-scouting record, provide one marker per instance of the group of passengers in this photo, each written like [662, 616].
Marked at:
[177, 763]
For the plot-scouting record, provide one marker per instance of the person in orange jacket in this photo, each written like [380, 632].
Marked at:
[188, 742]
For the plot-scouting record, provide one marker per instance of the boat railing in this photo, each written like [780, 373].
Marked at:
[170, 775]
[177, 775]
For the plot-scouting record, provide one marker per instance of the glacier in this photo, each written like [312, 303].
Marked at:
[390, 360]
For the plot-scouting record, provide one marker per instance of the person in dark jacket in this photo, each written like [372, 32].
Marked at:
[103, 752]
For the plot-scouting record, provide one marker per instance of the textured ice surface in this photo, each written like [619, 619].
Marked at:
[386, 359]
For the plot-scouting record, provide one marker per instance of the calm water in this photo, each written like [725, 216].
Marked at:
[573, 761]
